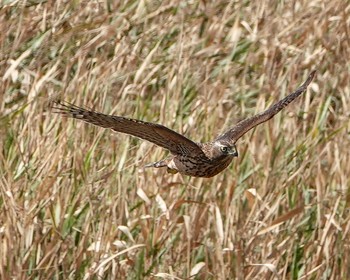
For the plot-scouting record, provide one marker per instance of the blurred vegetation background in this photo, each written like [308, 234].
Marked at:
[75, 201]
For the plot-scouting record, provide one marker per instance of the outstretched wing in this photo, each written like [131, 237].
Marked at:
[158, 134]
[236, 132]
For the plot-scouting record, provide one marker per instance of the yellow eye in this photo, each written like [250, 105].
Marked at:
[224, 149]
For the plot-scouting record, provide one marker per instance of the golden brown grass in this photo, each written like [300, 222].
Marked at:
[75, 202]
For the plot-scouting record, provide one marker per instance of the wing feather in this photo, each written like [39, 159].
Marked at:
[158, 134]
[236, 132]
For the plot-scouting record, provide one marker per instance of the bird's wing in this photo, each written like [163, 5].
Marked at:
[236, 132]
[155, 133]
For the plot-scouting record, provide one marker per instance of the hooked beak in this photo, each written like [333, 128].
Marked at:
[234, 153]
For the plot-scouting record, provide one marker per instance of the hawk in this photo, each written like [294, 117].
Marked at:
[187, 157]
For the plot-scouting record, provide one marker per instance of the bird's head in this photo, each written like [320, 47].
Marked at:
[223, 150]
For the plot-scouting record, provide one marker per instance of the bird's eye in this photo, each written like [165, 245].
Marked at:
[224, 149]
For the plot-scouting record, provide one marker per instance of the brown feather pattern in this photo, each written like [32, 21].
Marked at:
[188, 157]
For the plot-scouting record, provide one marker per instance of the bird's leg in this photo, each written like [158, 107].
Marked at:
[157, 164]
[162, 163]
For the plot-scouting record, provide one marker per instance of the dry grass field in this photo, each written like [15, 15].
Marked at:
[75, 200]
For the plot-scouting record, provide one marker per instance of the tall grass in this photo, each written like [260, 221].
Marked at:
[75, 201]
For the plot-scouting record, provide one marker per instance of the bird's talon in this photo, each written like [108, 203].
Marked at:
[171, 171]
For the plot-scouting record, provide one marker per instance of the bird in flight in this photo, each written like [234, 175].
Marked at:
[187, 157]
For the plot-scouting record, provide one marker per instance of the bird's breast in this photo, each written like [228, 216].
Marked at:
[199, 166]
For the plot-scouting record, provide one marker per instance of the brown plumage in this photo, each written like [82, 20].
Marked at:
[188, 157]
